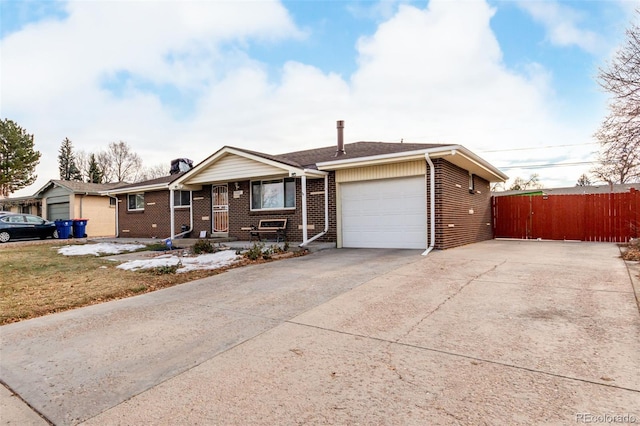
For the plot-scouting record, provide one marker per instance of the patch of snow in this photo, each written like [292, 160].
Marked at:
[97, 249]
[203, 261]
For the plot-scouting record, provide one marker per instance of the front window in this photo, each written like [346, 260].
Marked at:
[181, 198]
[136, 201]
[273, 194]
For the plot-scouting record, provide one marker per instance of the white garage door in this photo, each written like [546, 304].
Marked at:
[386, 213]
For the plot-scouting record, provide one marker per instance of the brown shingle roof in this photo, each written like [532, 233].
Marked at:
[310, 157]
[156, 181]
[80, 187]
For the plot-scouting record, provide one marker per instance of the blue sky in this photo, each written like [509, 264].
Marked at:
[513, 81]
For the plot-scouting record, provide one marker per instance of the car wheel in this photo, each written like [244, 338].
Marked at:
[4, 237]
[55, 234]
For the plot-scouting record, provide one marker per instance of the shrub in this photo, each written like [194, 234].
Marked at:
[203, 246]
[254, 252]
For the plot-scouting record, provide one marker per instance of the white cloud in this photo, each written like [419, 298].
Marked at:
[419, 77]
[562, 24]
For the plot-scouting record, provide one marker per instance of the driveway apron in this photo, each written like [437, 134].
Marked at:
[76, 364]
[500, 332]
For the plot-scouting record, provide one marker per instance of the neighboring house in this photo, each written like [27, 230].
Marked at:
[65, 199]
[573, 190]
[363, 194]
[27, 205]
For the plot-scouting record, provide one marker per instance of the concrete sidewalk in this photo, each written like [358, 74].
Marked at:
[501, 332]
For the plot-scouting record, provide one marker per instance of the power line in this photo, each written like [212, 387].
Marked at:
[541, 147]
[542, 166]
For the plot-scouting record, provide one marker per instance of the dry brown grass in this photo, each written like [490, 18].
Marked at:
[632, 250]
[36, 280]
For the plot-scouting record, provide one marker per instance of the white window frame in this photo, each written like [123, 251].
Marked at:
[273, 181]
[137, 209]
[178, 195]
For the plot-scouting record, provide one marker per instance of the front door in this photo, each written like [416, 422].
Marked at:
[220, 208]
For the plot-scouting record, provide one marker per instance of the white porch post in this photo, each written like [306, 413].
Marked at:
[303, 185]
[171, 214]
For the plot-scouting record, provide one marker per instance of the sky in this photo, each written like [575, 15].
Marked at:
[513, 81]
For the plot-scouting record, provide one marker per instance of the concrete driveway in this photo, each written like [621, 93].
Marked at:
[491, 333]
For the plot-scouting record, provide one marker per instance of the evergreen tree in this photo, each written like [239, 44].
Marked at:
[94, 172]
[18, 159]
[67, 162]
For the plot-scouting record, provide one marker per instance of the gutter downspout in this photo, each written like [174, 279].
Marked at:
[326, 213]
[432, 205]
[81, 199]
[117, 214]
[173, 219]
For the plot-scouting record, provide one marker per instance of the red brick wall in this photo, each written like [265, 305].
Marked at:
[455, 224]
[202, 213]
[140, 224]
[240, 214]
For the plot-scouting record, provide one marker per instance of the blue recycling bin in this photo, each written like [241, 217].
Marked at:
[63, 227]
[79, 227]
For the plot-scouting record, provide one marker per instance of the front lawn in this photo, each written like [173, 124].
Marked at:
[36, 280]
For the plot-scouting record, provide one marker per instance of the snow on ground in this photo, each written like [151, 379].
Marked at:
[98, 249]
[203, 261]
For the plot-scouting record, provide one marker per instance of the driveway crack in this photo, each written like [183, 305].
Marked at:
[416, 325]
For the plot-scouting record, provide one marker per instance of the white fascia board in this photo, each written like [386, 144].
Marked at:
[291, 170]
[481, 163]
[134, 189]
[383, 158]
[438, 152]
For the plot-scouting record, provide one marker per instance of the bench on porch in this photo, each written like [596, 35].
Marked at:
[266, 227]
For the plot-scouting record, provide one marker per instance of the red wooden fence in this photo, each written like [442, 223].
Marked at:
[612, 217]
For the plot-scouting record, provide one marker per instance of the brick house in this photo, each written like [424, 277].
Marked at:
[363, 194]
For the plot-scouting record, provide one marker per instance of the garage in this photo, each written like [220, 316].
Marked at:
[384, 213]
[58, 211]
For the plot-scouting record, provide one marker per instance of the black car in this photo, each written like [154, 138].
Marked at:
[14, 226]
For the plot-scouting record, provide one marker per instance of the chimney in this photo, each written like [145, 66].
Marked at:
[340, 151]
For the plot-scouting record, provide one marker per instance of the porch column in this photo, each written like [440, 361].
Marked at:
[172, 220]
[303, 185]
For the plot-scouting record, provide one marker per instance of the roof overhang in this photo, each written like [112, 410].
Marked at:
[133, 189]
[455, 154]
[186, 181]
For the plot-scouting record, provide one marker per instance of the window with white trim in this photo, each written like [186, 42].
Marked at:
[273, 194]
[181, 198]
[135, 201]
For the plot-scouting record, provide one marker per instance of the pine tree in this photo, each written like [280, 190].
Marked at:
[18, 159]
[94, 172]
[67, 162]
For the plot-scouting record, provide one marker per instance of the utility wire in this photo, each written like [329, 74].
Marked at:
[541, 147]
[541, 166]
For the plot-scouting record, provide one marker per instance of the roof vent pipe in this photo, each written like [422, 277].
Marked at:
[340, 151]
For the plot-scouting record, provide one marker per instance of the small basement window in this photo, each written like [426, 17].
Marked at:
[273, 194]
[181, 198]
[135, 201]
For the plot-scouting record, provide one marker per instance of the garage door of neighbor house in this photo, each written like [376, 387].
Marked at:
[385, 213]
[58, 211]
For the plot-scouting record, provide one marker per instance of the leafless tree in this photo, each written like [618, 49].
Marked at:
[532, 183]
[619, 133]
[119, 163]
[159, 170]
[583, 180]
